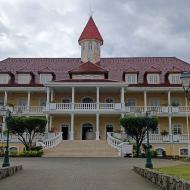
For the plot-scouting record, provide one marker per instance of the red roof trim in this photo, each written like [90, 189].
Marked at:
[155, 85]
[21, 85]
[86, 80]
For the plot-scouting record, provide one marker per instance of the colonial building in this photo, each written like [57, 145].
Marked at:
[85, 97]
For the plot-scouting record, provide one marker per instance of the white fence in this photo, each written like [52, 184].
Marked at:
[51, 142]
[122, 147]
[27, 110]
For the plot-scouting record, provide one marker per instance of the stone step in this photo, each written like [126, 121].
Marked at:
[79, 148]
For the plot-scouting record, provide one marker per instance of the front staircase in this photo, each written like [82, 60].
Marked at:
[79, 148]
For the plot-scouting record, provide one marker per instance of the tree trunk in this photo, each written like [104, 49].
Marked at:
[138, 151]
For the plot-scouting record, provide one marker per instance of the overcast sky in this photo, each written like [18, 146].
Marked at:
[51, 28]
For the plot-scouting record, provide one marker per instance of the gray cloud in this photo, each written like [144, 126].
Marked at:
[49, 28]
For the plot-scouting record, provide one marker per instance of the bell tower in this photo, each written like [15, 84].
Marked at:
[90, 42]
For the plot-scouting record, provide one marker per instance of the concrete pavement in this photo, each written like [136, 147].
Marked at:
[79, 174]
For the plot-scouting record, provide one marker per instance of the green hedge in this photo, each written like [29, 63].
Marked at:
[30, 153]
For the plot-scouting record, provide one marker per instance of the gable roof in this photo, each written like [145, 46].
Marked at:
[153, 69]
[46, 70]
[88, 67]
[131, 70]
[91, 32]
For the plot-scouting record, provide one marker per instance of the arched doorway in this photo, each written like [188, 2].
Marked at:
[87, 100]
[109, 128]
[65, 131]
[87, 132]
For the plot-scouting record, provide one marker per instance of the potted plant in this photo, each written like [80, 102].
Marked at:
[165, 135]
[175, 106]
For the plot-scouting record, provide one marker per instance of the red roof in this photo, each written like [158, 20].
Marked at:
[88, 67]
[175, 70]
[115, 66]
[91, 32]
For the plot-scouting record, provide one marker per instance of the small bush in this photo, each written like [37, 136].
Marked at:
[154, 153]
[13, 153]
[32, 153]
[37, 148]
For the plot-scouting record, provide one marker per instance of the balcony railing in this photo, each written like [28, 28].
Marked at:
[153, 138]
[28, 110]
[115, 107]
[83, 106]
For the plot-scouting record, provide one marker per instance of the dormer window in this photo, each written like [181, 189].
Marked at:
[4, 78]
[153, 78]
[24, 78]
[174, 78]
[131, 78]
[45, 77]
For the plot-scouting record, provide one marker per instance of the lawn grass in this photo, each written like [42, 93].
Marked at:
[181, 171]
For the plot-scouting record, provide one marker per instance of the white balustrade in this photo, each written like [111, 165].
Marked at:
[112, 141]
[135, 109]
[122, 147]
[51, 142]
[26, 109]
[85, 106]
[107, 106]
[63, 106]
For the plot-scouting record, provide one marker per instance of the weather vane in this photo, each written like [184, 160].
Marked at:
[90, 8]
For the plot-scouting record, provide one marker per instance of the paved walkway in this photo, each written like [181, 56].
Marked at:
[78, 174]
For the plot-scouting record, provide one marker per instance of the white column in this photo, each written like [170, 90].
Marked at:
[145, 101]
[122, 98]
[50, 122]
[170, 125]
[97, 127]
[73, 97]
[48, 92]
[3, 127]
[72, 127]
[47, 99]
[28, 102]
[47, 124]
[97, 97]
[121, 127]
[5, 98]
[169, 98]
[52, 94]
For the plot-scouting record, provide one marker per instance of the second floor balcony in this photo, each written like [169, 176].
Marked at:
[116, 107]
[100, 107]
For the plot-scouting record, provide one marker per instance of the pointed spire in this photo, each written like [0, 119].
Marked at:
[91, 32]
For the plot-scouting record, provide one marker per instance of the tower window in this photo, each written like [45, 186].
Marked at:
[90, 45]
[83, 46]
[97, 46]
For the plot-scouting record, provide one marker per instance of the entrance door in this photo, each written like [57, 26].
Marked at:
[87, 131]
[65, 131]
[109, 128]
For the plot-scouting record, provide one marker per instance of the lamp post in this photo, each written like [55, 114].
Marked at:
[185, 79]
[7, 113]
[148, 153]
